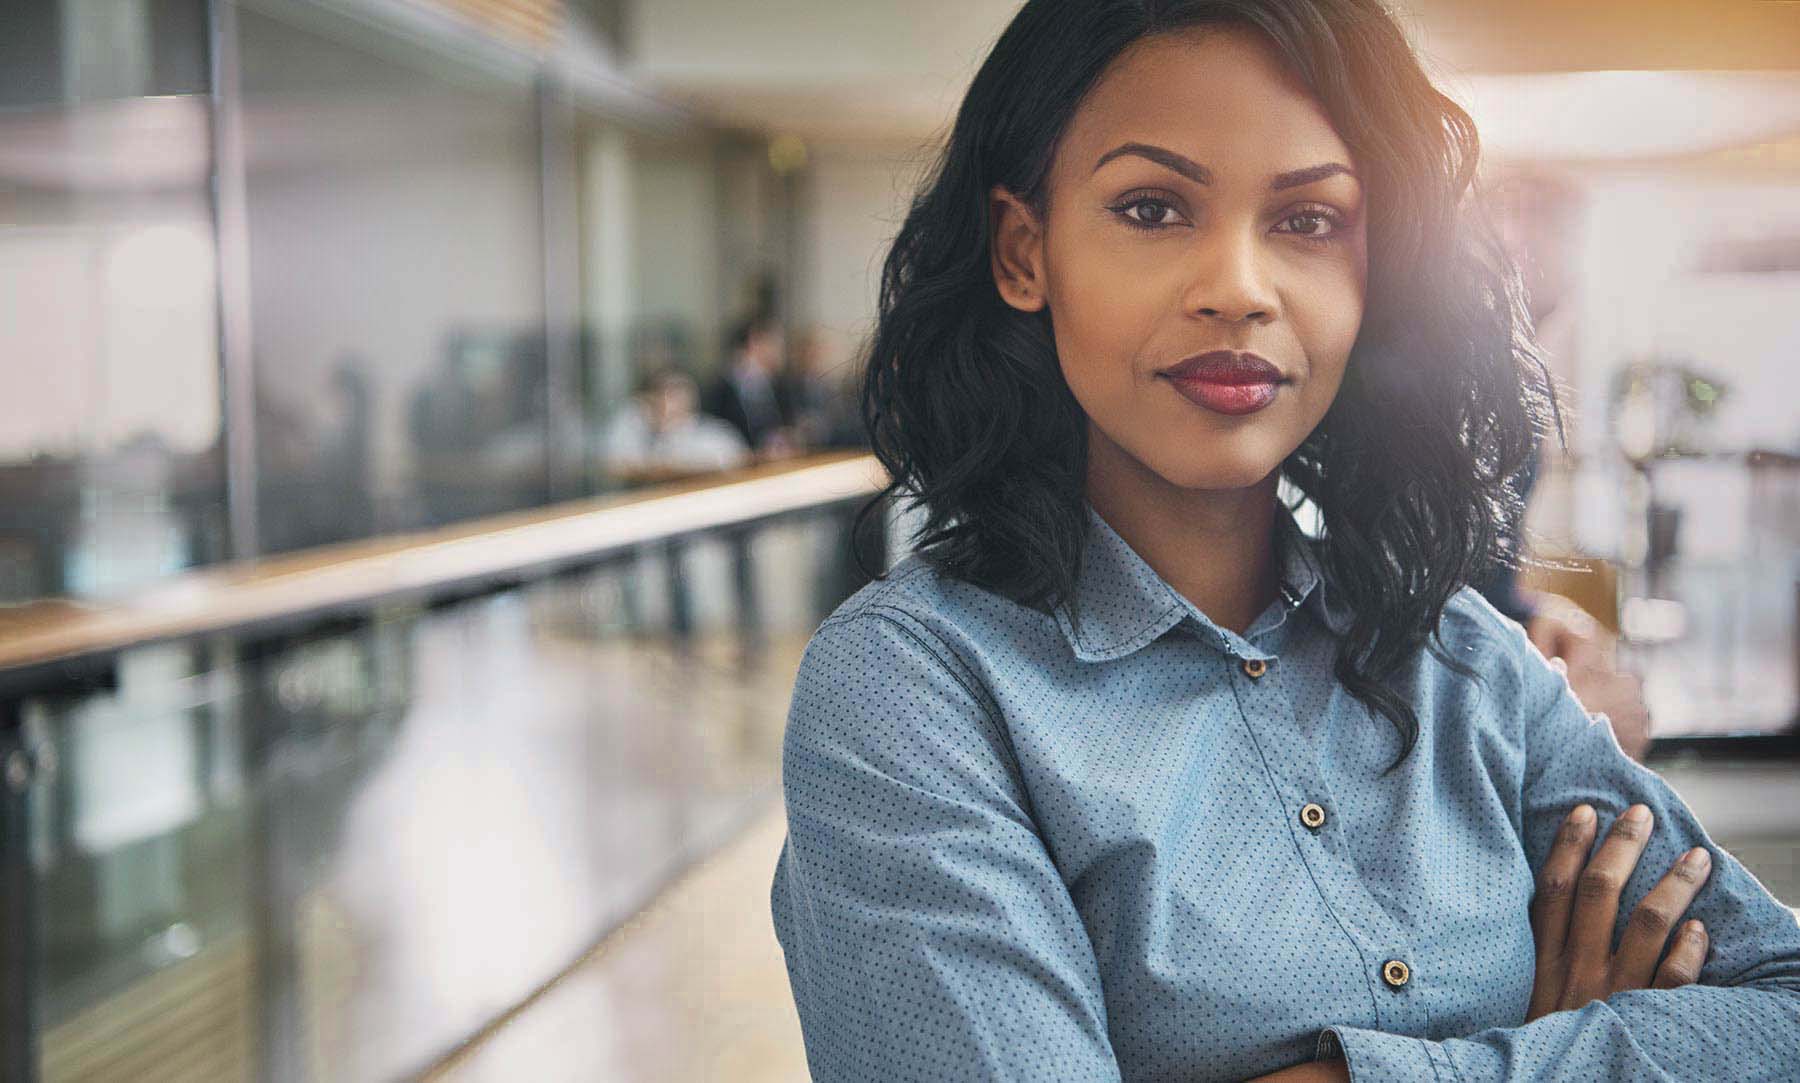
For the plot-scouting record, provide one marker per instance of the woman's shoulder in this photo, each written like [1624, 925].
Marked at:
[1472, 623]
[917, 593]
[896, 667]
[918, 623]
[1512, 676]
[912, 585]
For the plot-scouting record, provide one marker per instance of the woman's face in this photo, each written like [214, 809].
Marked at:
[1199, 203]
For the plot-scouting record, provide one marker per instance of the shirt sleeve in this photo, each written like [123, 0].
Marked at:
[927, 932]
[1739, 1021]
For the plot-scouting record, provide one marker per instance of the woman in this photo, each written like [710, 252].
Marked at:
[1122, 776]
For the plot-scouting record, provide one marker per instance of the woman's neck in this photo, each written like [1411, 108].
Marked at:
[1215, 547]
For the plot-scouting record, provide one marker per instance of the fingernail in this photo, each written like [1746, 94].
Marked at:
[1696, 930]
[1638, 814]
[1582, 816]
[1697, 858]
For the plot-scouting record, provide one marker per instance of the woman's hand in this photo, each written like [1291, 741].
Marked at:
[1572, 919]
[1577, 902]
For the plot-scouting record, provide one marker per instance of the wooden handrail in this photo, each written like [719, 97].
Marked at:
[441, 561]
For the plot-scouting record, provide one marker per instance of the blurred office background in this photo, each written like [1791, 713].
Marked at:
[397, 618]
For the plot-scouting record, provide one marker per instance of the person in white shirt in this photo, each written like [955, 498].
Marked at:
[660, 431]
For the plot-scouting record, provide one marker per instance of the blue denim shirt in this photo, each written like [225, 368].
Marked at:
[1018, 850]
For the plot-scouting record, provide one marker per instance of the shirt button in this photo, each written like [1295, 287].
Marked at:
[1313, 816]
[1395, 973]
[1255, 667]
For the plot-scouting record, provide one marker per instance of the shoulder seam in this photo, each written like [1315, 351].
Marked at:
[940, 650]
[882, 588]
[958, 670]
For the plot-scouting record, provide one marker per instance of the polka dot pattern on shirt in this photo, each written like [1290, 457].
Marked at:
[1023, 846]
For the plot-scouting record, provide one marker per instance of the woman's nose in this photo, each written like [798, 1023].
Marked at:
[1229, 280]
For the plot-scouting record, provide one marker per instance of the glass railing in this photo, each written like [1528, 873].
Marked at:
[336, 845]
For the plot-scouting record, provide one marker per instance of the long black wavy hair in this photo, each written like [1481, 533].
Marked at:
[1413, 467]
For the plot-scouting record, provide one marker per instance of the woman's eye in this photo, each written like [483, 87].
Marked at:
[1314, 224]
[1148, 213]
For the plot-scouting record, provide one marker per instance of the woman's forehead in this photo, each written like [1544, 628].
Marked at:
[1221, 95]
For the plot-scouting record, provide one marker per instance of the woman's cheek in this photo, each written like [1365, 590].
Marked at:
[1099, 325]
[1331, 321]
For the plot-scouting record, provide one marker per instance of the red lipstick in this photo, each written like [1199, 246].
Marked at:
[1226, 381]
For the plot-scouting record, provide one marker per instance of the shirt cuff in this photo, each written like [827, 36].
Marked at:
[1377, 1057]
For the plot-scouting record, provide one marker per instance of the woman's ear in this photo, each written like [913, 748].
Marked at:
[1017, 251]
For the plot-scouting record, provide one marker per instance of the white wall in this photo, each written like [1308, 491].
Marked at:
[854, 200]
[1642, 236]
[382, 262]
[108, 327]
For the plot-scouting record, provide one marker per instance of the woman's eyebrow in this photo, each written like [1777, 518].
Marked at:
[1181, 164]
[1296, 177]
[1199, 174]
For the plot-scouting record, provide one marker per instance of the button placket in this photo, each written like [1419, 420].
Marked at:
[1386, 950]
[1266, 709]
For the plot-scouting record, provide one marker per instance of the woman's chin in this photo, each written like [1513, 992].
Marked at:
[1216, 475]
[1197, 462]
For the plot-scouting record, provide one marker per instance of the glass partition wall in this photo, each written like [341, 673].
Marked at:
[396, 280]
[456, 271]
[338, 853]
[111, 471]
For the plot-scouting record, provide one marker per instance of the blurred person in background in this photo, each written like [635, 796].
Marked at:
[747, 393]
[748, 396]
[347, 458]
[818, 397]
[660, 433]
[1537, 216]
[1121, 775]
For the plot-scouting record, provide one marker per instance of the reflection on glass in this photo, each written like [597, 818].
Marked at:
[396, 280]
[337, 856]
[396, 223]
[110, 474]
[144, 899]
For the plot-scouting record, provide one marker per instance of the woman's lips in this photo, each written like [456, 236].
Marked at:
[1233, 399]
[1226, 381]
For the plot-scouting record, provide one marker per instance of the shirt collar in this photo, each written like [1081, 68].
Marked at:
[1124, 605]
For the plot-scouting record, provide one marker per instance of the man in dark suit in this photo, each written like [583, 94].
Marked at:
[748, 396]
[747, 393]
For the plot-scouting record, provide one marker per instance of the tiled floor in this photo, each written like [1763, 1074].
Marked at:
[690, 991]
